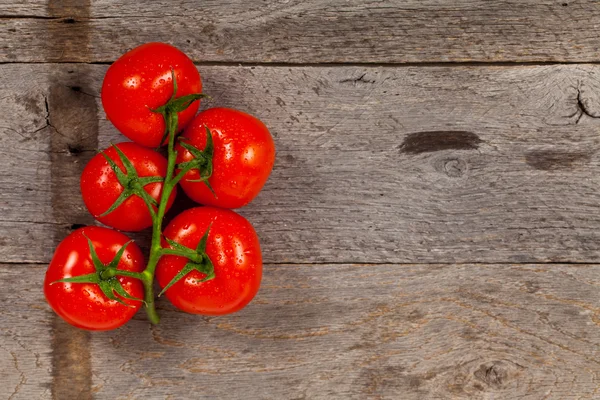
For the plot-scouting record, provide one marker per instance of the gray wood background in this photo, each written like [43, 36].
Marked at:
[431, 228]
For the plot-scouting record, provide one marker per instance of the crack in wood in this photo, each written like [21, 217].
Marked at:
[360, 79]
[23, 378]
[583, 109]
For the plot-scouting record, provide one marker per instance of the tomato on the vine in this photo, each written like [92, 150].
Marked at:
[101, 186]
[141, 81]
[234, 252]
[85, 305]
[208, 260]
[244, 154]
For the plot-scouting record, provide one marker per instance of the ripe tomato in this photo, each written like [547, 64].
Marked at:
[234, 250]
[84, 305]
[140, 80]
[100, 187]
[243, 158]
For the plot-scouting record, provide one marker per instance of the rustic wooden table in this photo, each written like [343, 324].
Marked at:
[431, 229]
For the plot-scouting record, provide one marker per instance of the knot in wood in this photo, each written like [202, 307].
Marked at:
[495, 374]
[453, 167]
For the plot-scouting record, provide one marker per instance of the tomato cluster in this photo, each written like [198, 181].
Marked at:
[208, 259]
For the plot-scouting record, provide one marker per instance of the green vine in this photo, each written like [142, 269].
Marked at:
[198, 259]
[106, 276]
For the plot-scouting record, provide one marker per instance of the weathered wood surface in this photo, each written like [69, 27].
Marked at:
[375, 165]
[335, 332]
[300, 31]
[404, 203]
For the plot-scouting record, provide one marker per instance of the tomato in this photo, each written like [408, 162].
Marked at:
[84, 305]
[100, 187]
[140, 80]
[233, 248]
[243, 158]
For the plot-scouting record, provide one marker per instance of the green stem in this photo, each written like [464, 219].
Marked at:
[149, 298]
[181, 173]
[175, 252]
[156, 252]
[120, 272]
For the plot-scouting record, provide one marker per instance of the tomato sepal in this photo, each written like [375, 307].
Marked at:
[199, 261]
[87, 278]
[175, 105]
[106, 276]
[131, 182]
[202, 161]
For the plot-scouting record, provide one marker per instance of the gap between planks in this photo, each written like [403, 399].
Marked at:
[425, 64]
[382, 264]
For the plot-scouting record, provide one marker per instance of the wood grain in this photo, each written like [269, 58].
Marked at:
[340, 332]
[299, 31]
[437, 164]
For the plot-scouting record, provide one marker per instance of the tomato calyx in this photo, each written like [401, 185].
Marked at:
[106, 276]
[202, 160]
[199, 260]
[175, 105]
[131, 182]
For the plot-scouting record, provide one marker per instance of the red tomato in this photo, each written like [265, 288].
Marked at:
[243, 158]
[84, 305]
[140, 80]
[100, 187]
[234, 250]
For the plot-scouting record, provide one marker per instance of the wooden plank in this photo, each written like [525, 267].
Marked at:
[336, 331]
[439, 164]
[299, 31]
[377, 332]
[25, 334]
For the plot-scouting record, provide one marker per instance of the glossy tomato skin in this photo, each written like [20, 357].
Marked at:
[140, 80]
[244, 154]
[83, 304]
[100, 187]
[234, 250]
